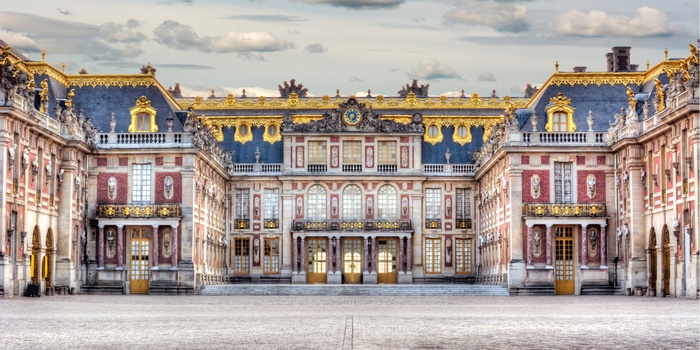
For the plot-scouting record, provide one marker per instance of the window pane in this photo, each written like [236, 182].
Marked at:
[352, 203]
[317, 152]
[433, 203]
[242, 204]
[352, 152]
[271, 203]
[387, 152]
[316, 206]
[141, 183]
[387, 203]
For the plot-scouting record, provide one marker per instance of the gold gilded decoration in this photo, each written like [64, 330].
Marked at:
[398, 118]
[565, 209]
[632, 101]
[660, 94]
[243, 133]
[411, 100]
[272, 132]
[433, 132]
[462, 134]
[324, 103]
[142, 110]
[271, 223]
[433, 224]
[353, 225]
[69, 101]
[138, 211]
[306, 118]
[560, 104]
[486, 121]
[44, 95]
[242, 224]
[293, 99]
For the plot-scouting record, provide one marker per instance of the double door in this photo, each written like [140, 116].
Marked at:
[140, 240]
[564, 260]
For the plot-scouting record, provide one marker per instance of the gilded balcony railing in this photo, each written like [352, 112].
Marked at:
[271, 223]
[565, 209]
[241, 224]
[433, 224]
[463, 224]
[138, 210]
[352, 225]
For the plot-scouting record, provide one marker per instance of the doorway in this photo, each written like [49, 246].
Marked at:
[564, 260]
[386, 264]
[139, 265]
[317, 260]
[352, 260]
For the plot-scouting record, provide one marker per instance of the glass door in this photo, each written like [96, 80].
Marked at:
[140, 252]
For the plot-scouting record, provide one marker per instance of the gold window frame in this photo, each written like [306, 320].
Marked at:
[560, 103]
[238, 137]
[461, 140]
[143, 106]
[432, 139]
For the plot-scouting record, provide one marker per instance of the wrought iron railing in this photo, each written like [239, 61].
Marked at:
[352, 225]
[463, 224]
[386, 168]
[241, 224]
[565, 209]
[138, 210]
[317, 168]
[271, 223]
[433, 224]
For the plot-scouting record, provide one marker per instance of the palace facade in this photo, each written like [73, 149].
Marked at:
[115, 184]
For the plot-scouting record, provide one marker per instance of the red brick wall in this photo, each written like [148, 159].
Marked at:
[122, 188]
[581, 185]
[124, 161]
[101, 161]
[544, 186]
[160, 188]
[525, 159]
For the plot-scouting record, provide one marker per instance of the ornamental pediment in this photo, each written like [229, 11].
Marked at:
[352, 116]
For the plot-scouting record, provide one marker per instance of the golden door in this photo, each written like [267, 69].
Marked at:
[387, 260]
[352, 260]
[317, 260]
[139, 263]
[564, 260]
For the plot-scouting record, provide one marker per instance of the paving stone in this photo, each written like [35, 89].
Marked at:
[348, 322]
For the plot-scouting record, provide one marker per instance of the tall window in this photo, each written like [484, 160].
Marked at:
[433, 254]
[143, 122]
[317, 152]
[463, 255]
[316, 207]
[352, 203]
[352, 152]
[387, 152]
[242, 199]
[433, 203]
[272, 208]
[271, 258]
[141, 184]
[562, 183]
[387, 203]
[463, 208]
[241, 255]
[559, 123]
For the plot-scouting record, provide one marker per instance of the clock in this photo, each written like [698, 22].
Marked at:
[352, 117]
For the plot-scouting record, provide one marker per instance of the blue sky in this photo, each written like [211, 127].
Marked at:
[351, 45]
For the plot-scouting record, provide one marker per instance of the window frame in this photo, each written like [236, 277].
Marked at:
[241, 245]
[271, 257]
[352, 203]
[317, 203]
[433, 255]
[387, 203]
[317, 152]
[464, 255]
[433, 203]
[141, 184]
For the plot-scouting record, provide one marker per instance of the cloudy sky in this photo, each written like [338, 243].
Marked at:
[351, 45]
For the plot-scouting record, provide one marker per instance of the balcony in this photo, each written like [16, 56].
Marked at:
[144, 140]
[352, 225]
[565, 210]
[557, 138]
[352, 168]
[433, 224]
[317, 168]
[241, 224]
[463, 224]
[256, 168]
[271, 224]
[386, 168]
[138, 210]
[448, 169]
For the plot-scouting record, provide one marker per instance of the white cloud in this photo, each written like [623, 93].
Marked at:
[121, 33]
[486, 76]
[647, 22]
[431, 69]
[19, 42]
[503, 16]
[358, 4]
[183, 37]
[250, 91]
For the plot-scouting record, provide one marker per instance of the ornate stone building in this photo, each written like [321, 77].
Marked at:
[115, 184]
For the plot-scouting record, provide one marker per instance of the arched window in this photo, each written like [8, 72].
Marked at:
[387, 203]
[352, 203]
[316, 207]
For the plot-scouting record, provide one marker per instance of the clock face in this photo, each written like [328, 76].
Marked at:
[352, 117]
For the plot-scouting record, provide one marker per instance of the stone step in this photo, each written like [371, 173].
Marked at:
[354, 290]
[103, 290]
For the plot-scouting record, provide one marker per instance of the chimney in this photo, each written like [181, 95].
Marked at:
[621, 58]
[609, 58]
[579, 69]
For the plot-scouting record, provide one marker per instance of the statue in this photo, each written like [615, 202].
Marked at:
[448, 155]
[292, 87]
[535, 186]
[257, 155]
[112, 188]
[168, 187]
[591, 185]
[419, 91]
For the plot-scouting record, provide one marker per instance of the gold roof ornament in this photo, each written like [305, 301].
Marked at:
[69, 101]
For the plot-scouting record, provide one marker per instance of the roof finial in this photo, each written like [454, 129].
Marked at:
[63, 67]
[647, 64]
[666, 54]
[556, 67]
[43, 55]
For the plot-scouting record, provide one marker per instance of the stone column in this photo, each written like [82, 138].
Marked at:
[603, 247]
[365, 255]
[286, 221]
[409, 254]
[294, 252]
[101, 247]
[584, 246]
[529, 246]
[155, 248]
[401, 255]
[174, 248]
[651, 285]
[659, 250]
[120, 247]
[303, 254]
[549, 246]
[637, 230]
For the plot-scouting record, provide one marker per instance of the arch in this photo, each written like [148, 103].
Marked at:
[48, 265]
[352, 203]
[316, 200]
[34, 262]
[387, 203]
[666, 259]
[652, 259]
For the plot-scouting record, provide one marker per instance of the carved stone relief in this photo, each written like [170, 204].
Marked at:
[370, 157]
[404, 157]
[168, 187]
[167, 242]
[111, 242]
[535, 186]
[590, 184]
[537, 242]
[112, 188]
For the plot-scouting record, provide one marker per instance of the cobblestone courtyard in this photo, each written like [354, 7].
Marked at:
[273, 322]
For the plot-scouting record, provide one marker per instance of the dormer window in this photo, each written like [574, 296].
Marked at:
[143, 116]
[560, 115]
